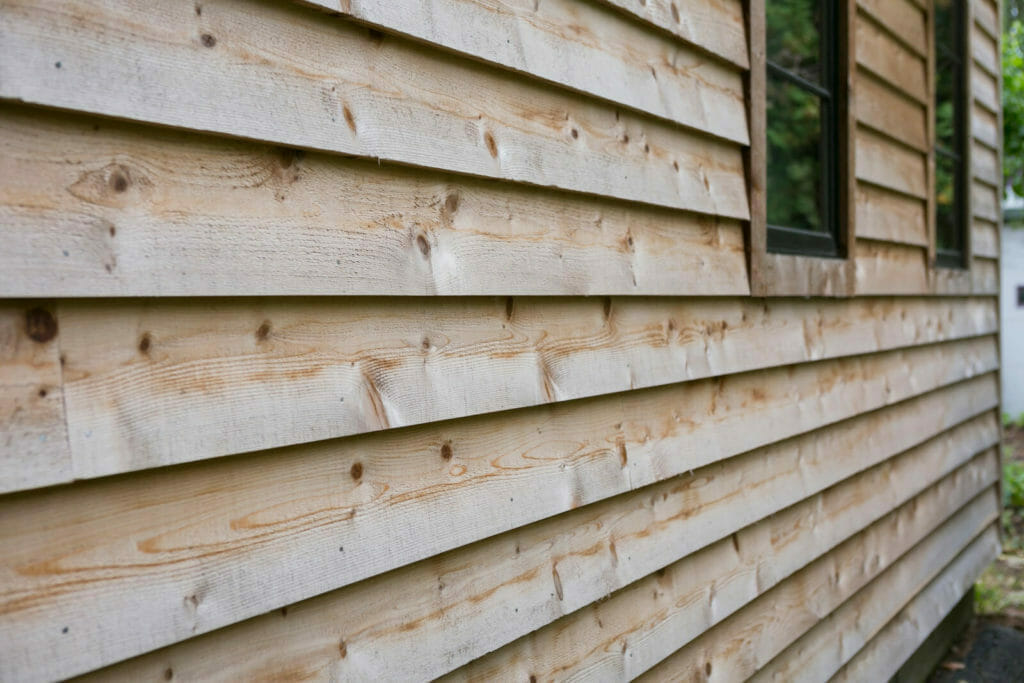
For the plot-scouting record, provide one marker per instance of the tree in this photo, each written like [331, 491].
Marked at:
[1013, 97]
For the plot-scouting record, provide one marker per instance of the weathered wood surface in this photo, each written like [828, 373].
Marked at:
[621, 637]
[986, 14]
[985, 166]
[158, 383]
[33, 441]
[984, 89]
[902, 19]
[890, 216]
[888, 111]
[334, 86]
[985, 202]
[895, 167]
[897, 641]
[984, 238]
[717, 26]
[586, 47]
[90, 207]
[885, 268]
[821, 652]
[984, 50]
[738, 647]
[889, 60]
[561, 565]
[985, 126]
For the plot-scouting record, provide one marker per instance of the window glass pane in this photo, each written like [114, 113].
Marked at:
[947, 223]
[793, 36]
[945, 16]
[945, 131]
[794, 156]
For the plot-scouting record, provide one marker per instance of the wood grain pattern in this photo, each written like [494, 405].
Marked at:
[161, 382]
[33, 440]
[985, 202]
[892, 166]
[985, 166]
[889, 60]
[215, 531]
[985, 126]
[984, 89]
[552, 568]
[621, 637]
[984, 50]
[898, 640]
[816, 656]
[903, 19]
[885, 268]
[585, 47]
[888, 111]
[985, 238]
[715, 25]
[91, 207]
[986, 14]
[890, 216]
[740, 646]
[335, 86]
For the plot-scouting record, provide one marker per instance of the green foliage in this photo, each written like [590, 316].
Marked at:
[1013, 104]
[1013, 484]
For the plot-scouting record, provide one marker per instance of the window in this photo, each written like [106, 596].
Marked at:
[1020, 296]
[950, 134]
[802, 127]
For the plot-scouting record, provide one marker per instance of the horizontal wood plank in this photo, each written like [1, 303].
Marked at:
[984, 89]
[90, 207]
[905, 20]
[635, 535]
[621, 637]
[985, 126]
[821, 652]
[890, 216]
[740, 646]
[586, 47]
[33, 441]
[985, 165]
[889, 111]
[339, 87]
[984, 239]
[889, 60]
[717, 26]
[985, 51]
[985, 202]
[883, 162]
[885, 268]
[241, 519]
[884, 655]
[986, 14]
[163, 382]
[985, 276]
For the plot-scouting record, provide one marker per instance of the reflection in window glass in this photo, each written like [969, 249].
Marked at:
[793, 37]
[950, 120]
[794, 157]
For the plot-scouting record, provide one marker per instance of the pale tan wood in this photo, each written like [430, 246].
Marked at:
[890, 112]
[796, 275]
[621, 637]
[900, 638]
[586, 47]
[890, 216]
[714, 25]
[882, 162]
[985, 202]
[738, 647]
[33, 440]
[984, 89]
[162, 382]
[90, 207]
[985, 276]
[589, 553]
[985, 238]
[901, 18]
[985, 126]
[987, 17]
[335, 86]
[822, 651]
[984, 50]
[985, 165]
[279, 521]
[886, 268]
[889, 60]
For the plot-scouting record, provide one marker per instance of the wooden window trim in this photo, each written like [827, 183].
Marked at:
[945, 279]
[773, 274]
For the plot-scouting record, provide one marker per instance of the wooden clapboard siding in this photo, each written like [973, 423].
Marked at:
[881, 54]
[888, 111]
[715, 25]
[582, 46]
[902, 19]
[582, 457]
[985, 201]
[738, 647]
[890, 216]
[637, 535]
[157, 383]
[815, 656]
[33, 441]
[897, 641]
[885, 268]
[984, 238]
[334, 86]
[97, 208]
[986, 14]
[882, 162]
[984, 89]
[985, 126]
[986, 167]
[984, 49]
[625, 635]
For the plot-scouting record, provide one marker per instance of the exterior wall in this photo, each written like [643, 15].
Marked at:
[361, 344]
[1011, 316]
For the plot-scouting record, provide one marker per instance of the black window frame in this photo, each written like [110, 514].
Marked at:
[798, 241]
[956, 55]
